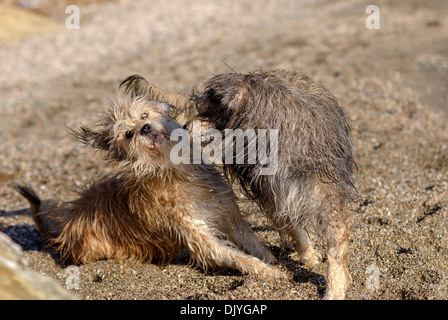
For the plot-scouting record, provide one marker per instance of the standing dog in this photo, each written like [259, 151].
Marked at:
[310, 190]
[146, 208]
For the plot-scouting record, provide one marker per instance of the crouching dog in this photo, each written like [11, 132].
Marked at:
[146, 208]
[313, 183]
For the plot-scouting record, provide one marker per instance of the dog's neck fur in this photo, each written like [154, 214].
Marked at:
[168, 179]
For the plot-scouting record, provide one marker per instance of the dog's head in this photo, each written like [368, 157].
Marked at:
[224, 96]
[133, 134]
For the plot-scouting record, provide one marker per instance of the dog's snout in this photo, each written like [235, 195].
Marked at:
[146, 129]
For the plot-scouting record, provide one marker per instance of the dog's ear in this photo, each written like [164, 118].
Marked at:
[91, 138]
[135, 85]
[225, 91]
[164, 108]
[238, 99]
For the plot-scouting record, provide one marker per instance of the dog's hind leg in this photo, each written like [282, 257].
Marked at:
[207, 248]
[338, 276]
[240, 233]
[304, 247]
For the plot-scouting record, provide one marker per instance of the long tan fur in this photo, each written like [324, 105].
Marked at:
[147, 208]
[309, 192]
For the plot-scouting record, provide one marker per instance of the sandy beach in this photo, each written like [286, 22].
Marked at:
[392, 81]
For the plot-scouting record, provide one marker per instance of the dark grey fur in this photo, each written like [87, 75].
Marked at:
[314, 182]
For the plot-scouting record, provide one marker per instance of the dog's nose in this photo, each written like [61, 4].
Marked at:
[146, 129]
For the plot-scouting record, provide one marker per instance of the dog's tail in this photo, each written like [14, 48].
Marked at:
[30, 195]
[45, 213]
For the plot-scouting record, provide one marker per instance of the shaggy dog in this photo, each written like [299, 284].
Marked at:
[146, 208]
[309, 192]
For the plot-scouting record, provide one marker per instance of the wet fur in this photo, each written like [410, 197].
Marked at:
[314, 182]
[146, 208]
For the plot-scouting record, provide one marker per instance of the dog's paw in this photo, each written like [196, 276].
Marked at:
[310, 258]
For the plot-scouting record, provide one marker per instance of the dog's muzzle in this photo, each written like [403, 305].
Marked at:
[145, 130]
[156, 136]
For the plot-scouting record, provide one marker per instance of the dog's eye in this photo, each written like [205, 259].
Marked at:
[129, 134]
[144, 116]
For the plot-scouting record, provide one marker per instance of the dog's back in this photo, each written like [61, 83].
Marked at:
[314, 132]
